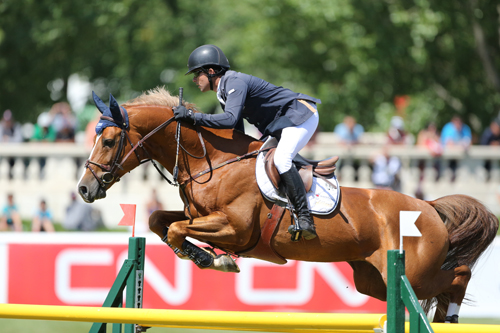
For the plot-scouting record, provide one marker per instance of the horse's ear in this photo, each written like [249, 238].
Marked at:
[99, 103]
[115, 110]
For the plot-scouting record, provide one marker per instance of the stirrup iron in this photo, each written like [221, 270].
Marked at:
[295, 230]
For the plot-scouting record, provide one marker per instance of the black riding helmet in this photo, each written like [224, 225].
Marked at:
[207, 55]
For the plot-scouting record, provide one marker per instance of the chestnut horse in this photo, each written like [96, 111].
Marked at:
[225, 208]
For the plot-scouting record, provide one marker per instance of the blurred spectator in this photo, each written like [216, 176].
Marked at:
[456, 134]
[81, 216]
[63, 122]
[349, 131]
[10, 132]
[429, 139]
[10, 218]
[386, 170]
[154, 203]
[44, 132]
[491, 137]
[90, 131]
[42, 220]
[396, 135]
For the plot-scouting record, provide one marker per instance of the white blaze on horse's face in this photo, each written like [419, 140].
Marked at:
[88, 187]
[90, 157]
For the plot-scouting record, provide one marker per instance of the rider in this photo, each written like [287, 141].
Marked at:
[291, 117]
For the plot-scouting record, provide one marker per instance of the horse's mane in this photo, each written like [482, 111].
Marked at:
[157, 96]
[162, 97]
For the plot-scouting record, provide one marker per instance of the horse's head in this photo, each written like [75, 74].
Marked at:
[106, 163]
[119, 146]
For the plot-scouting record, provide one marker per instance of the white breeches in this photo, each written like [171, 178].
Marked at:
[293, 139]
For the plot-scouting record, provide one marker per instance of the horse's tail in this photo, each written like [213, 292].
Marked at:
[471, 229]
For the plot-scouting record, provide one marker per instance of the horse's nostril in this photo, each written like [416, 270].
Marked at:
[82, 190]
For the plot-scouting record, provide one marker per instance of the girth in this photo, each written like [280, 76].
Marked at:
[263, 249]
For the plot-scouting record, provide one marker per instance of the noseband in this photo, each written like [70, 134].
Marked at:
[111, 170]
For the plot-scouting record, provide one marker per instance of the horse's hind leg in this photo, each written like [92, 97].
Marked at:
[451, 300]
[368, 280]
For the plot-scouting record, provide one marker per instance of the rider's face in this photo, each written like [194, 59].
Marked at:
[201, 80]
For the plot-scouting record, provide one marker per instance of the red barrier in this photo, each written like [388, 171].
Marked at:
[73, 273]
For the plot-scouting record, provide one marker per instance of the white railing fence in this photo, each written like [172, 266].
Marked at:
[64, 164]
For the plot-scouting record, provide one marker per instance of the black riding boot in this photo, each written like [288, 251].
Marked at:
[296, 193]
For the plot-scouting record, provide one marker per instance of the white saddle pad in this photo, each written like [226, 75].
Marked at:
[322, 198]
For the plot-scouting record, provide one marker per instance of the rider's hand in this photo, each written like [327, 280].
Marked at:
[181, 113]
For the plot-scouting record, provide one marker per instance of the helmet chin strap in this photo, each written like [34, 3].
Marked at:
[211, 80]
[211, 77]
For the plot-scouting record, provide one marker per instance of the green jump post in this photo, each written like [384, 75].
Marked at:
[131, 275]
[395, 304]
[401, 294]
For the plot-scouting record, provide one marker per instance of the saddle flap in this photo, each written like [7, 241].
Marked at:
[305, 172]
[271, 170]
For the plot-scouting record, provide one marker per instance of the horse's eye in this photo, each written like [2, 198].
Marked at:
[109, 143]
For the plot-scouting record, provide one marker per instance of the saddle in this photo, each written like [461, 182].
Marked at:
[307, 169]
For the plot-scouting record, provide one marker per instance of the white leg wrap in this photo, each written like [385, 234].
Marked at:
[453, 309]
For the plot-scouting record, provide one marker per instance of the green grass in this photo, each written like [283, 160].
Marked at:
[41, 326]
[59, 227]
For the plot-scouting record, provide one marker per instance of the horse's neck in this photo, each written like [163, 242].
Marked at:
[229, 142]
[220, 144]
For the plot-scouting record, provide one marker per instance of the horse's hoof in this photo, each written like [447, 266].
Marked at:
[451, 319]
[222, 262]
[225, 263]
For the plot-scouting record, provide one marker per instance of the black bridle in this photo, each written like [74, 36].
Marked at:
[111, 170]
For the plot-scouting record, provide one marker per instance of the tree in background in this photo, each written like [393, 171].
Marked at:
[354, 55]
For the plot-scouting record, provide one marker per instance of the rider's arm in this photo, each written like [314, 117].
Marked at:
[236, 92]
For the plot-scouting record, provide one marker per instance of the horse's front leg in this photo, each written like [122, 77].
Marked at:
[160, 221]
[214, 226]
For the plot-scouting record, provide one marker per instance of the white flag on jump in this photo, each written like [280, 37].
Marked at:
[407, 225]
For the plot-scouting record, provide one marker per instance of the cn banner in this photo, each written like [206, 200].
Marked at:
[79, 269]
[73, 270]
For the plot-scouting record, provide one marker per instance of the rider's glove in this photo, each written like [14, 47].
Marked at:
[181, 113]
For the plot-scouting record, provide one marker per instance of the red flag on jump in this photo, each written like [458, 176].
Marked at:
[129, 217]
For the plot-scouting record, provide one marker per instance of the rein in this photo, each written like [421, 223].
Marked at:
[232, 160]
[110, 174]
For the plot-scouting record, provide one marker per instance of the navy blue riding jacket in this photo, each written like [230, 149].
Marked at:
[270, 108]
